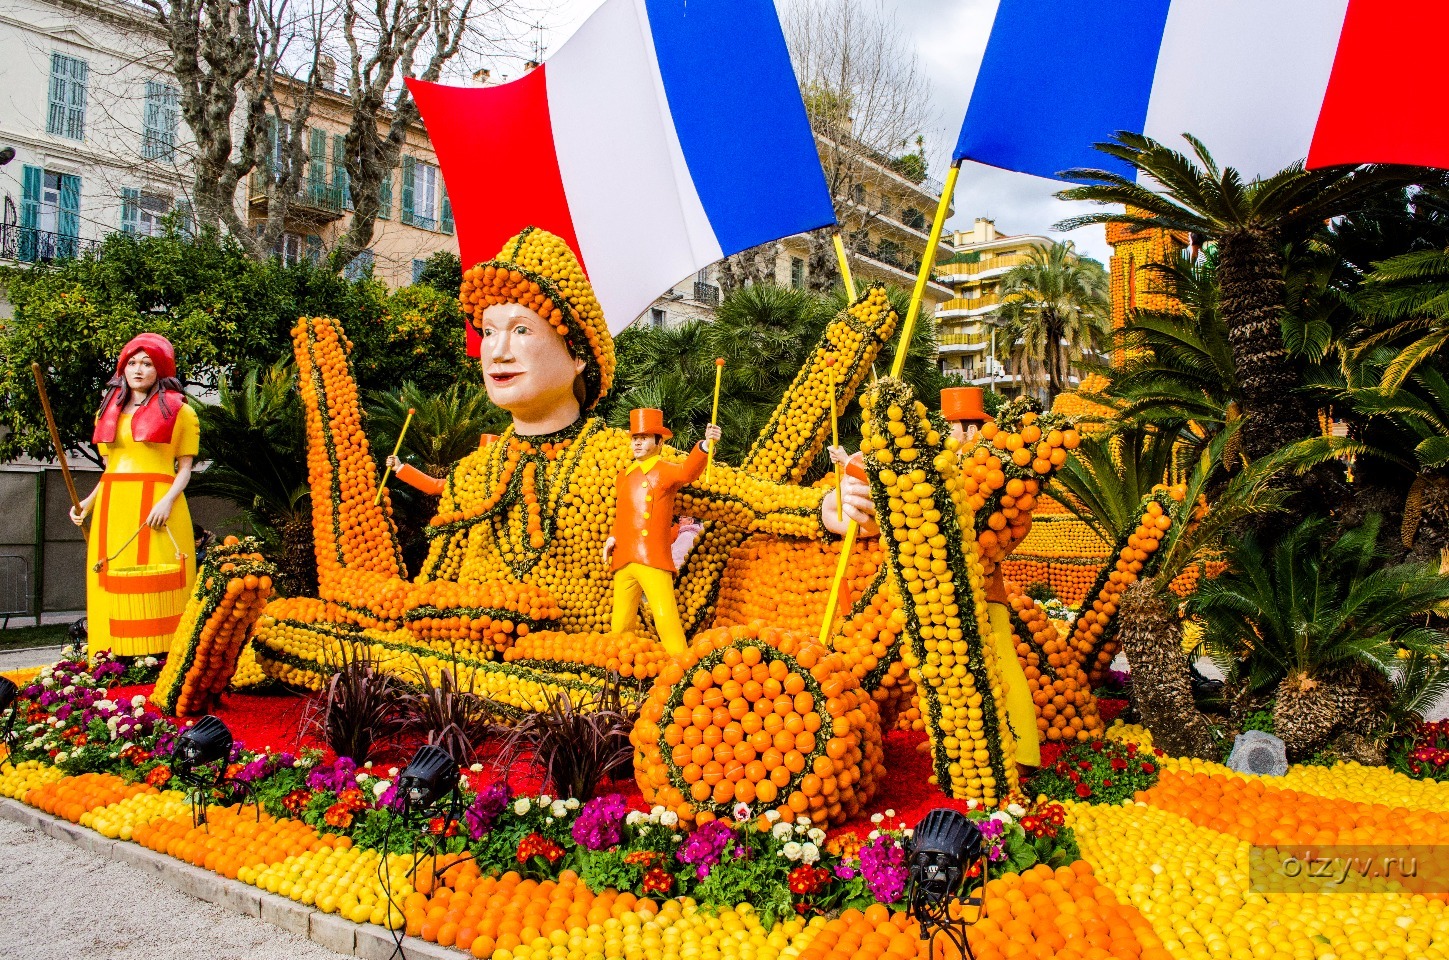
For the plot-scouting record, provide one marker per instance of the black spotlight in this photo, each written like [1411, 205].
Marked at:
[6, 155]
[430, 777]
[940, 855]
[9, 693]
[200, 760]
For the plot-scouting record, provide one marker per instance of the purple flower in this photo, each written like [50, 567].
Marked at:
[391, 801]
[845, 872]
[482, 813]
[991, 828]
[601, 822]
[63, 712]
[253, 771]
[883, 862]
[705, 846]
[341, 775]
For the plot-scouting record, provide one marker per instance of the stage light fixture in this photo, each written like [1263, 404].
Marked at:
[431, 776]
[940, 854]
[9, 693]
[204, 743]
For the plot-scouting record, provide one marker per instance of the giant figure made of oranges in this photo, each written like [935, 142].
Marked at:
[514, 596]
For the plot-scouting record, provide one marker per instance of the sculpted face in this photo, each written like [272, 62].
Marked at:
[527, 368]
[644, 445]
[140, 372]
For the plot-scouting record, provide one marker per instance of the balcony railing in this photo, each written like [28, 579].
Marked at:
[31, 245]
[963, 339]
[982, 266]
[706, 293]
[970, 303]
[321, 199]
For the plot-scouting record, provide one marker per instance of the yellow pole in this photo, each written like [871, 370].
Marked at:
[844, 266]
[835, 441]
[395, 448]
[928, 261]
[719, 363]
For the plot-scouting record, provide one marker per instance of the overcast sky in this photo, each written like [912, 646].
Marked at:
[950, 37]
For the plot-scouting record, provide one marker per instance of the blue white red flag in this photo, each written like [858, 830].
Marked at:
[1263, 83]
[663, 136]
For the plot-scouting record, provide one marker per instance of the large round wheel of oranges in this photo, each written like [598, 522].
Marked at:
[761, 716]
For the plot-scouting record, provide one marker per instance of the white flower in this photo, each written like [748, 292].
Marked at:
[367, 765]
[742, 811]
[1016, 809]
[521, 806]
[361, 778]
[548, 819]
[558, 808]
[104, 705]
[676, 837]
[392, 771]
[908, 833]
[150, 662]
[872, 835]
[634, 818]
[781, 831]
[772, 815]
[817, 836]
[876, 818]
[139, 712]
[1001, 816]
[47, 682]
[890, 813]
[544, 799]
[571, 803]
[61, 757]
[972, 804]
[792, 851]
[69, 689]
[809, 853]
[806, 820]
[138, 701]
[381, 787]
[476, 768]
[669, 818]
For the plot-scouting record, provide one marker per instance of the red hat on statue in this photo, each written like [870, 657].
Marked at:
[964, 403]
[649, 420]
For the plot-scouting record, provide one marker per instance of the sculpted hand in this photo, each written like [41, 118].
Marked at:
[858, 507]
[393, 463]
[78, 515]
[608, 549]
[712, 433]
[159, 514]
[838, 456]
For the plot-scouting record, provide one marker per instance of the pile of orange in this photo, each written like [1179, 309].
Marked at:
[73, 797]
[1185, 583]
[1259, 813]
[757, 715]
[229, 595]
[482, 618]
[1094, 636]
[788, 582]
[233, 838]
[629, 655]
[1041, 914]
[1065, 707]
[481, 915]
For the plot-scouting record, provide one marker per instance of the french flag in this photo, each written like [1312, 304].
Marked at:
[1263, 83]
[662, 137]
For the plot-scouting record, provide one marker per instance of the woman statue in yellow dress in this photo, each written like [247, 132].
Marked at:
[139, 561]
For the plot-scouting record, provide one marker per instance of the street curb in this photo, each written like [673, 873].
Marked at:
[335, 933]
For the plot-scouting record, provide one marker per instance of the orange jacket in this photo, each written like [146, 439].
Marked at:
[644, 509]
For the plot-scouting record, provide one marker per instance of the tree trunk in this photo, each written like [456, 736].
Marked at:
[1430, 535]
[1161, 685]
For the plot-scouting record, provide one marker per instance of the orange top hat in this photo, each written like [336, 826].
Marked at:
[486, 439]
[964, 403]
[649, 420]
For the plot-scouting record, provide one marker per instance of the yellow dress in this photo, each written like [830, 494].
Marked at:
[1019, 706]
[129, 614]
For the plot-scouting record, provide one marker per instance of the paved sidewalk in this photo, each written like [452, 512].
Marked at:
[28, 657]
[58, 902]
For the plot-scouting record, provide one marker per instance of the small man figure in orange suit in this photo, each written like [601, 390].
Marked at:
[639, 549]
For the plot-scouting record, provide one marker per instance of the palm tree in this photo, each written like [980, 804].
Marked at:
[1055, 311]
[253, 442]
[1252, 224]
[1318, 623]
[1407, 297]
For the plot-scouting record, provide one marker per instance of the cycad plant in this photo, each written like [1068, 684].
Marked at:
[256, 459]
[1105, 479]
[1315, 621]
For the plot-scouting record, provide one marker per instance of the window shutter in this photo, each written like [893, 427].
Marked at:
[339, 172]
[158, 139]
[407, 191]
[384, 197]
[185, 218]
[75, 115]
[32, 182]
[274, 147]
[130, 210]
[68, 223]
[55, 119]
[314, 248]
[447, 221]
[67, 101]
[317, 165]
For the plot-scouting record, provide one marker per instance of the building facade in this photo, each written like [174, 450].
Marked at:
[93, 117]
[971, 349]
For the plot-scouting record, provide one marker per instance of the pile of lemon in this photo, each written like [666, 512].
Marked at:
[343, 881]
[118, 820]
[18, 780]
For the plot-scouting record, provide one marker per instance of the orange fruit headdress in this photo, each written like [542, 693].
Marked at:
[538, 270]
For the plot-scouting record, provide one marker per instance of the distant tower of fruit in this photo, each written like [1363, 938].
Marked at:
[1134, 285]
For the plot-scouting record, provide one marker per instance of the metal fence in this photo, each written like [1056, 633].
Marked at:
[15, 593]
[31, 245]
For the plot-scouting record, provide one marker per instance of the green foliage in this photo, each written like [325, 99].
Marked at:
[1261, 720]
[224, 313]
[1101, 771]
[1107, 477]
[1309, 603]
[443, 271]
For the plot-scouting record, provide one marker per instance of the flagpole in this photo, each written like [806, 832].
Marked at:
[844, 265]
[928, 262]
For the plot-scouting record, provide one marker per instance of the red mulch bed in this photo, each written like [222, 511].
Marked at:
[273, 721]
